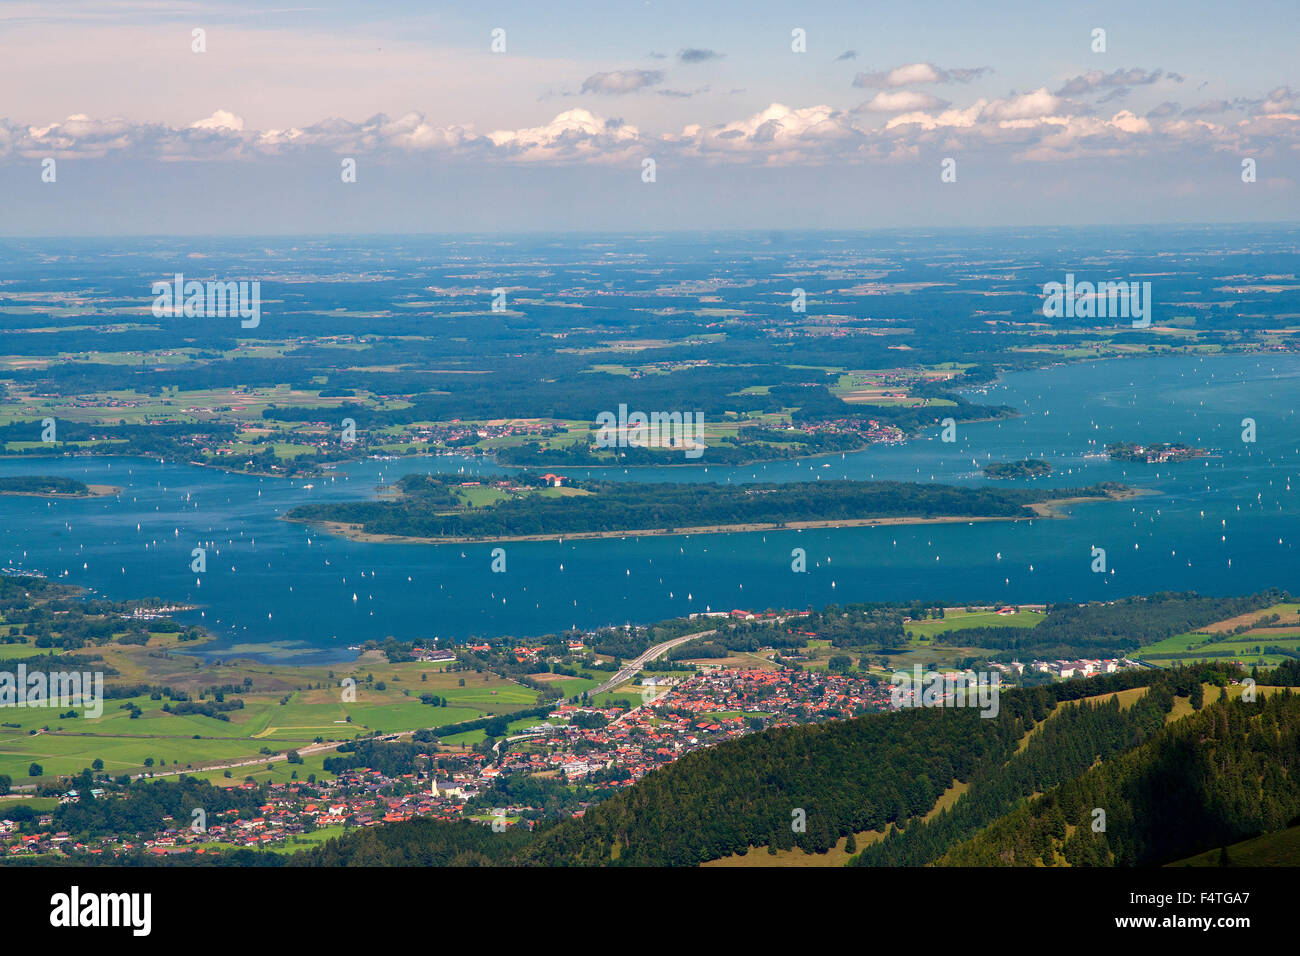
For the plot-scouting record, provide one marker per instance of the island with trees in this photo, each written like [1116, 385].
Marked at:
[1025, 468]
[440, 509]
[47, 486]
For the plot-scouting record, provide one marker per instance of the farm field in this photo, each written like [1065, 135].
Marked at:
[957, 620]
[299, 707]
[1213, 642]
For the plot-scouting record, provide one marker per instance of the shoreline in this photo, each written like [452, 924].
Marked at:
[1048, 509]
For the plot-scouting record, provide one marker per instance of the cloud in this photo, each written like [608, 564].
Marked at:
[777, 134]
[573, 134]
[894, 125]
[1033, 105]
[848, 55]
[917, 73]
[966, 75]
[1280, 100]
[1167, 108]
[220, 120]
[900, 101]
[697, 55]
[1095, 80]
[622, 81]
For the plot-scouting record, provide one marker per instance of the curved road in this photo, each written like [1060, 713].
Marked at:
[625, 673]
[659, 649]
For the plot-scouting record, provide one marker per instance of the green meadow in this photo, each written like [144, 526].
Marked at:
[961, 620]
[271, 721]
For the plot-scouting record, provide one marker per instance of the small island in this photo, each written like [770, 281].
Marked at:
[441, 509]
[1156, 453]
[48, 486]
[1025, 468]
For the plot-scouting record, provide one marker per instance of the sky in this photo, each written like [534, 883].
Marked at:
[125, 117]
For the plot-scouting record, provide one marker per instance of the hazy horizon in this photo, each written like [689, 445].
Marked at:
[188, 118]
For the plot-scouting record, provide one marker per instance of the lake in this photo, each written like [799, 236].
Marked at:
[1226, 524]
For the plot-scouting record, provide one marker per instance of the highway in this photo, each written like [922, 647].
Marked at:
[659, 649]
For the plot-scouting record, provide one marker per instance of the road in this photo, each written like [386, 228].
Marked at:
[626, 673]
[262, 760]
[659, 649]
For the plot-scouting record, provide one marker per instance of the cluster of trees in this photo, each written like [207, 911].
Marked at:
[176, 440]
[394, 758]
[1227, 773]
[420, 842]
[139, 806]
[493, 725]
[832, 778]
[1025, 468]
[875, 625]
[1073, 738]
[54, 616]
[614, 506]
[391, 758]
[211, 708]
[750, 443]
[550, 796]
[728, 640]
[1109, 629]
[41, 485]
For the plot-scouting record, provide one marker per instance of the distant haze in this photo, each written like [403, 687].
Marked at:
[183, 118]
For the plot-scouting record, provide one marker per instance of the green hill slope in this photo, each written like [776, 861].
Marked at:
[1213, 778]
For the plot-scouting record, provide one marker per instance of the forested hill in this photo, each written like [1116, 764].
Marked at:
[840, 777]
[428, 507]
[845, 777]
[1170, 787]
[1227, 773]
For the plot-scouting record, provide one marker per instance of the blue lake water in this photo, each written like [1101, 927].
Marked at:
[1226, 524]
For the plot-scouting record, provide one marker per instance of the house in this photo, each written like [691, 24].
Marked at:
[555, 481]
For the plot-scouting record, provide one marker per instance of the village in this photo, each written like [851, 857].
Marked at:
[594, 749]
[574, 755]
